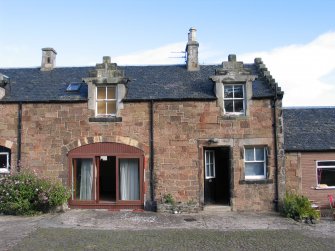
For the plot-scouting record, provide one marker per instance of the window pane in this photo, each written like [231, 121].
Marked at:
[228, 91]
[101, 107]
[238, 91]
[83, 179]
[129, 179]
[326, 163]
[239, 106]
[254, 169]
[259, 154]
[3, 160]
[111, 107]
[101, 92]
[111, 92]
[228, 106]
[326, 176]
[249, 154]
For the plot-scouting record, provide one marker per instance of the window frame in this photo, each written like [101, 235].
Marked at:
[7, 168]
[317, 167]
[264, 161]
[234, 99]
[210, 175]
[96, 151]
[105, 100]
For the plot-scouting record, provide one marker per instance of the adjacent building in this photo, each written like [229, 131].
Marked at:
[309, 135]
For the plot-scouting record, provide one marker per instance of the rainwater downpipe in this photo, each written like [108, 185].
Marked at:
[152, 176]
[19, 136]
[274, 126]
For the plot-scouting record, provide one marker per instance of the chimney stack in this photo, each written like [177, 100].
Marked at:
[192, 46]
[48, 59]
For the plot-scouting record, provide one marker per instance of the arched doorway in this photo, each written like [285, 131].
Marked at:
[106, 175]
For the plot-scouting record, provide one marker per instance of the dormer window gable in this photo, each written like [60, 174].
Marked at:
[106, 90]
[233, 87]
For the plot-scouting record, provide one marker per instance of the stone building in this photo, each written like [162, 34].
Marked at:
[125, 137]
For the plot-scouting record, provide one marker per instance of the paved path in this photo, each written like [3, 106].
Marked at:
[14, 229]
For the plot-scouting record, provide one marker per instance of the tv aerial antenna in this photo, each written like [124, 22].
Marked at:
[179, 52]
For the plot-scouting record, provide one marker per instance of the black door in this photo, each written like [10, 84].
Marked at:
[217, 175]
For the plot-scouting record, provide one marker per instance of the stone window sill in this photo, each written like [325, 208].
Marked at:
[324, 188]
[105, 119]
[241, 182]
[233, 117]
[6, 171]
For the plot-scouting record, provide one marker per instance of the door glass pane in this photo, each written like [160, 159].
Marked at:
[101, 107]
[259, 153]
[254, 169]
[111, 92]
[82, 186]
[209, 164]
[111, 107]
[238, 91]
[228, 91]
[208, 170]
[101, 92]
[129, 179]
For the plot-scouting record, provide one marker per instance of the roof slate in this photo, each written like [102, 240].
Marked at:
[167, 82]
[33, 85]
[309, 129]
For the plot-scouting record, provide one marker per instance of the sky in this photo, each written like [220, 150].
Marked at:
[295, 38]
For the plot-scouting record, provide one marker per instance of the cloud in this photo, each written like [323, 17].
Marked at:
[168, 54]
[306, 72]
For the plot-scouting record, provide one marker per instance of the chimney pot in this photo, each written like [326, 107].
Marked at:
[192, 35]
[232, 58]
[106, 59]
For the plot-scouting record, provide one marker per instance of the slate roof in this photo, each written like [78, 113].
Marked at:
[309, 129]
[168, 82]
[33, 85]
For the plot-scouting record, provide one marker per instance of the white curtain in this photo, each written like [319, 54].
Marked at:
[86, 180]
[129, 179]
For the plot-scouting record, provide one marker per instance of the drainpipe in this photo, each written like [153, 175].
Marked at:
[152, 182]
[19, 136]
[274, 126]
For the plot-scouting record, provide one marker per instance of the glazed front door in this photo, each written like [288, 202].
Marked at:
[217, 176]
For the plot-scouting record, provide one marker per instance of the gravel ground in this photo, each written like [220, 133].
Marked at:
[172, 239]
[105, 230]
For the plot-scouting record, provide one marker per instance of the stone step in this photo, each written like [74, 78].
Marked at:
[217, 208]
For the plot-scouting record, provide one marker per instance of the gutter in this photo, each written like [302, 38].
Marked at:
[275, 142]
[152, 152]
[168, 100]
[19, 136]
[41, 101]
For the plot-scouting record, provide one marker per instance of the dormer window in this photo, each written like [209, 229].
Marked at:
[234, 99]
[106, 91]
[106, 101]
